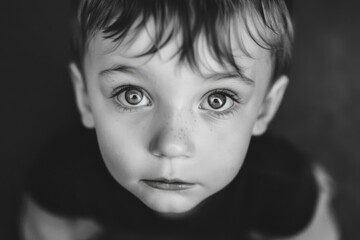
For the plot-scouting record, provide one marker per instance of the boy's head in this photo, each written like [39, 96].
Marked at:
[175, 89]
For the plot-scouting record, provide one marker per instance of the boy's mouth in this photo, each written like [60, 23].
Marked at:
[168, 184]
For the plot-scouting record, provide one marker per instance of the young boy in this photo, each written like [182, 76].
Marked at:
[175, 90]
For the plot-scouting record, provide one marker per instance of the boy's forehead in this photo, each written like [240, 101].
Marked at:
[137, 43]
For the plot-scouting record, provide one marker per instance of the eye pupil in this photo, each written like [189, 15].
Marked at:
[133, 96]
[216, 101]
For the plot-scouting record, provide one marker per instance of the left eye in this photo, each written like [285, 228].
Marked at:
[218, 101]
[132, 97]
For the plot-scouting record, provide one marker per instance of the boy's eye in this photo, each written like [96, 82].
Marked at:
[218, 100]
[132, 97]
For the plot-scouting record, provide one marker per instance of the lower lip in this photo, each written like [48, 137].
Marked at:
[168, 186]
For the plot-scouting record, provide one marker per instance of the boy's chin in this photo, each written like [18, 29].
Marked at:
[176, 214]
[172, 209]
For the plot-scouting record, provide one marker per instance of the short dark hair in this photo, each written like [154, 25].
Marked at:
[214, 19]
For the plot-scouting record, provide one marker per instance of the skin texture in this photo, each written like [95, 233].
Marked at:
[173, 132]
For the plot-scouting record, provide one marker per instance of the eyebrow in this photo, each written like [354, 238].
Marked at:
[118, 68]
[232, 75]
[214, 76]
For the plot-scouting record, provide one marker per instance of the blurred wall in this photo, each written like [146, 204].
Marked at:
[320, 113]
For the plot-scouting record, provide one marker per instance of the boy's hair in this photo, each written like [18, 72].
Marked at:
[215, 19]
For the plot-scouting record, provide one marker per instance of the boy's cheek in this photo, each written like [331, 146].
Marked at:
[122, 155]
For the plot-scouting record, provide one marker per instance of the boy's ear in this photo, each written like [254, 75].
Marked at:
[81, 96]
[270, 105]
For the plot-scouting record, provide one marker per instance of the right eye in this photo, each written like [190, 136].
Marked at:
[130, 97]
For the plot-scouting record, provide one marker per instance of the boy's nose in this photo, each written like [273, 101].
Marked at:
[172, 140]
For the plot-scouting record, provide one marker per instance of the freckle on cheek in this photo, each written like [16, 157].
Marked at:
[181, 134]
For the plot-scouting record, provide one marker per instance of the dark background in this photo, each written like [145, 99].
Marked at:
[320, 113]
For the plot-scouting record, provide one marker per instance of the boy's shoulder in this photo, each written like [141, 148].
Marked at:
[66, 172]
[281, 186]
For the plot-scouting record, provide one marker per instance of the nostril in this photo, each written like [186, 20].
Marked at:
[156, 153]
[170, 150]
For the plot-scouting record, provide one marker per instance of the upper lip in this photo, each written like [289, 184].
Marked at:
[168, 181]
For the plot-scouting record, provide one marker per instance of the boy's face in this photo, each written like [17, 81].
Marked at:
[169, 135]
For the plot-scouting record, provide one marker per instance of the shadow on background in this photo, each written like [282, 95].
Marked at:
[320, 113]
